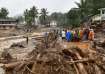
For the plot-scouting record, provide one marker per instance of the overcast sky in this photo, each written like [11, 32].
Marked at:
[17, 7]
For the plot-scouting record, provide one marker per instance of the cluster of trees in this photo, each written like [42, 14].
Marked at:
[3, 13]
[86, 9]
[45, 19]
[30, 15]
[60, 18]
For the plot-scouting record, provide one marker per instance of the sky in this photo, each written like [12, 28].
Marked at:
[17, 7]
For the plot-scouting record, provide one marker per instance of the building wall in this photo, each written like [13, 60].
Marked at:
[53, 23]
[7, 26]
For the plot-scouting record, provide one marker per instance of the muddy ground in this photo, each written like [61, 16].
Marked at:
[19, 49]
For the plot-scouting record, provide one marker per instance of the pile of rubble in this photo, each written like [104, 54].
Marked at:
[54, 59]
[98, 27]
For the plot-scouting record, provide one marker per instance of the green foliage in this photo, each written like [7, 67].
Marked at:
[90, 7]
[82, 8]
[85, 9]
[44, 17]
[74, 17]
[97, 4]
[30, 15]
[60, 18]
[3, 13]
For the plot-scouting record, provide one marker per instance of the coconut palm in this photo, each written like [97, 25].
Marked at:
[43, 17]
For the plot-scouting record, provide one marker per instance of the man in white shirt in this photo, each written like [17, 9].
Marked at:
[63, 34]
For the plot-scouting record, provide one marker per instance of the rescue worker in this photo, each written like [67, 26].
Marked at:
[91, 35]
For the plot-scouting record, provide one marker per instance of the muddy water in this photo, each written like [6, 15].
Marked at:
[6, 44]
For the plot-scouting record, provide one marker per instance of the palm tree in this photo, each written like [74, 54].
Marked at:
[33, 13]
[43, 17]
[85, 8]
[30, 15]
[82, 6]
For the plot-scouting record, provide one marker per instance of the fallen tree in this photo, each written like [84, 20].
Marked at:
[56, 60]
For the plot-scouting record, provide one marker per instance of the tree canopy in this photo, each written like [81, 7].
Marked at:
[74, 17]
[30, 15]
[85, 9]
[60, 18]
[3, 13]
[43, 17]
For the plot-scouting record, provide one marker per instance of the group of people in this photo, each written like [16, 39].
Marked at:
[78, 35]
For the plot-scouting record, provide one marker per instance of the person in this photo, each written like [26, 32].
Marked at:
[68, 36]
[55, 35]
[81, 33]
[76, 36]
[27, 40]
[63, 34]
[72, 35]
[91, 35]
[85, 34]
[46, 39]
